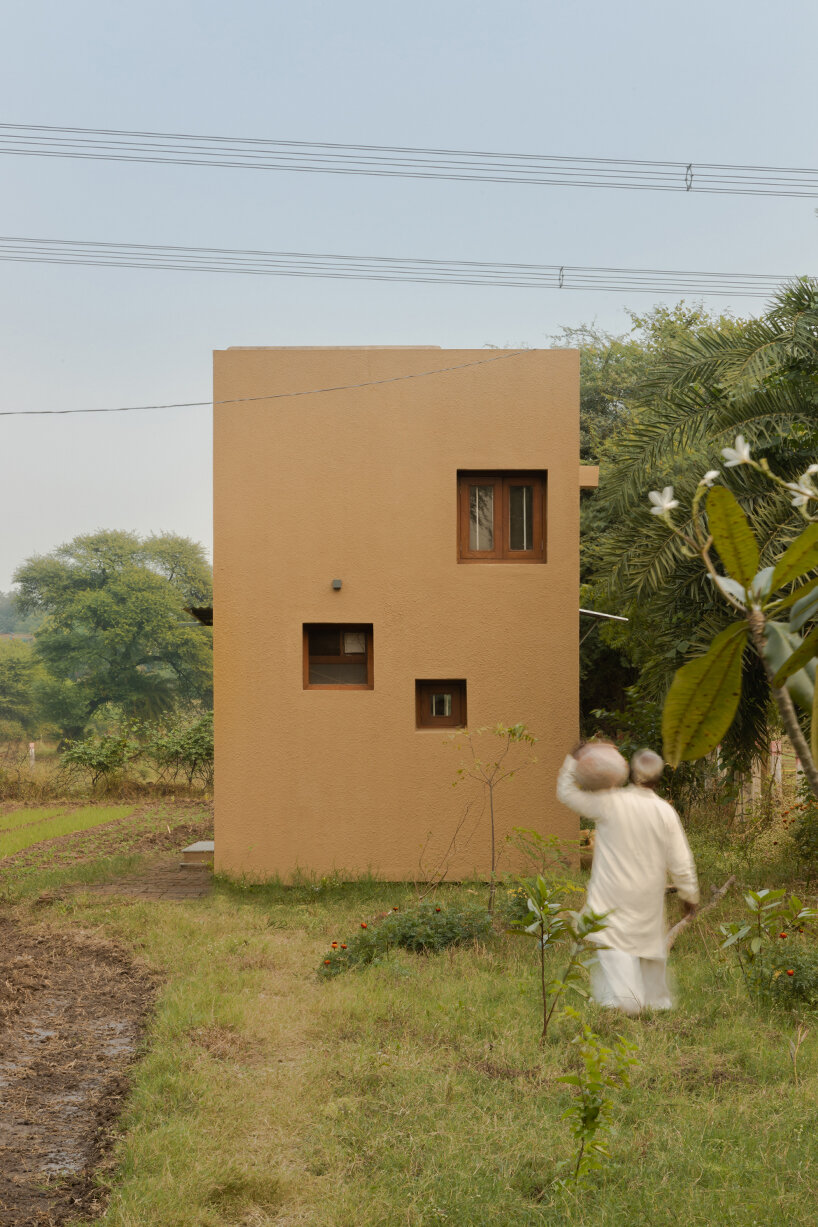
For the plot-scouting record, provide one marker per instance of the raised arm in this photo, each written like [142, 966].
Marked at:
[586, 804]
[680, 863]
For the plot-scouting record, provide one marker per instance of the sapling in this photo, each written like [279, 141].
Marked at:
[603, 1070]
[489, 773]
[551, 924]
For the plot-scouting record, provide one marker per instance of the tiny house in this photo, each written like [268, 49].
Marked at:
[396, 557]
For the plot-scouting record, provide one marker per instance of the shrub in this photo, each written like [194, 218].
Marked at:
[183, 748]
[793, 980]
[769, 949]
[425, 929]
[100, 757]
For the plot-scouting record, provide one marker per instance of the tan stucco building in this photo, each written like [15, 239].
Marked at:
[393, 557]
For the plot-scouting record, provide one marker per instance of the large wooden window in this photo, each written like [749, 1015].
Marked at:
[501, 517]
[440, 705]
[338, 656]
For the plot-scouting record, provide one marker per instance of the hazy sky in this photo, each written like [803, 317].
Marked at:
[717, 81]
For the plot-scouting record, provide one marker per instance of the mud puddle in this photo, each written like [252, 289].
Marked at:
[71, 1015]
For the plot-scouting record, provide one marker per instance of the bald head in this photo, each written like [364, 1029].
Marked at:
[646, 768]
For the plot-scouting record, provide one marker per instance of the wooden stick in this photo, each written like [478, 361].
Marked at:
[716, 897]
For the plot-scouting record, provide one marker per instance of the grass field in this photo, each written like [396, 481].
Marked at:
[28, 827]
[27, 817]
[415, 1092]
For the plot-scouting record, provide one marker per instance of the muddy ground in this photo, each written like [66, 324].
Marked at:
[72, 1010]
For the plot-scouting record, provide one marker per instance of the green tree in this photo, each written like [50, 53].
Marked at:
[614, 370]
[755, 377]
[12, 620]
[115, 634]
[19, 670]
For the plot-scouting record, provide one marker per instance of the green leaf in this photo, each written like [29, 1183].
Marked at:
[805, 653]
[798, 559]
[703, 698]
[732, 534]
[779, 645]
[800, 594]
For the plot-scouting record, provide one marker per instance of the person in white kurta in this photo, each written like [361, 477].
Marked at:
[639, 841]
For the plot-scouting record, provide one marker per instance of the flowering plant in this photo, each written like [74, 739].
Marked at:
[704, 695]
[763, 944]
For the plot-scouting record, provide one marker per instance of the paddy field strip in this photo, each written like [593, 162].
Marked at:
[25, 834]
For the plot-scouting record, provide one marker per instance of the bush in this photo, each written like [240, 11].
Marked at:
[100, 757]
[184, 749]
[425, 929]
[794, 973]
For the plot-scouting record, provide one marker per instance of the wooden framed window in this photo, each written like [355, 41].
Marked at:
[501, 517]
[338, 656]
[440, 705]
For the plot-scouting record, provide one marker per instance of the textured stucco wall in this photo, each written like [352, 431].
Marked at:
[361, 485]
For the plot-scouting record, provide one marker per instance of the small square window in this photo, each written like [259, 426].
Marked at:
[337, 656]
[501, 517]
[440, 704]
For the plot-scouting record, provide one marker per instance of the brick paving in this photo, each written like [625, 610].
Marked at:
[166, 879]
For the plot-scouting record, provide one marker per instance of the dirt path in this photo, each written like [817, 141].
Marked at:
[164, 879]
[71, 1014]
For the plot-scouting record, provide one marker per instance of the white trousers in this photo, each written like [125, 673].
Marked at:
[626, 982]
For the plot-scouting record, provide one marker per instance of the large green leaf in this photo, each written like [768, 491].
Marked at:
[800, 657]
[779, 646]
[733, 536]
[804, 602]
[703, 698]
[800, 557]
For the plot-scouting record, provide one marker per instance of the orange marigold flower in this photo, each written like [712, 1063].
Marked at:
[790, 972]
[335, 945]
[437, 909]
[343, 945]
[782, 935]
[363, 924]
[326, 962]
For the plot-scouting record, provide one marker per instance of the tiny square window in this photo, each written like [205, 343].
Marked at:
[337, 656]
[501, 517]
[440, 704]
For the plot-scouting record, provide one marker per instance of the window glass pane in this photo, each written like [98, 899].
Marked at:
[325, 641]
[481, 517]
[354, 642]
[520, 517]
[441, 704]
[340, 674]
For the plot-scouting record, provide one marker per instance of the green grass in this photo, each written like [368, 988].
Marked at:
[12, 841]
[27, 817]
[415, 1092]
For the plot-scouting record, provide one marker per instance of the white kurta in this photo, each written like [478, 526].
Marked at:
[639, 841]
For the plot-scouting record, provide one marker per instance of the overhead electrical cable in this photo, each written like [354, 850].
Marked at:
[244, 400]
[257, 263]
[396, 161]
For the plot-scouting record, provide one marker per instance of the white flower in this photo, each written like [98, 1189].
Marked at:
[664, 502]
[803, 491]
[740, 454]
[709, 477]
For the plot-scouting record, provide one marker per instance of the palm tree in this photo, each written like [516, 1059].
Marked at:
[757, 378]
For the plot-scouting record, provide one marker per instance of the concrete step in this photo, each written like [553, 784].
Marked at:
[200, 853]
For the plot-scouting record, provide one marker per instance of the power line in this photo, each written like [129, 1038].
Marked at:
[395, 161]
[244, 400]
[421, 270]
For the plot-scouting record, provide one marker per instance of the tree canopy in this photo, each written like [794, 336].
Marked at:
[115, 632]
